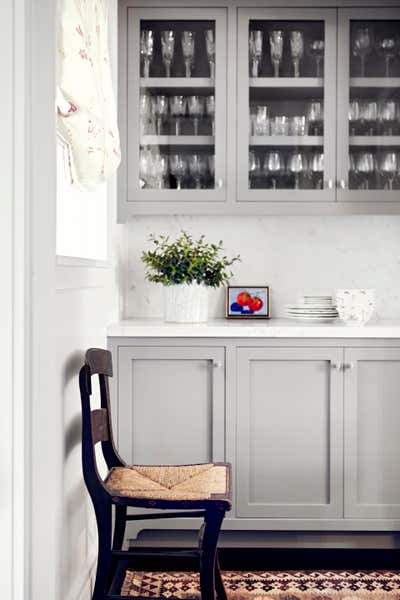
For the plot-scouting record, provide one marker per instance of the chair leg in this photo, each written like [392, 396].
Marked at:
[208, 547]
[104, 527]
[219, 582]
[119, 527]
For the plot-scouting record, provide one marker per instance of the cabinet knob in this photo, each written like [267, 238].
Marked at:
[336, 365]
[217, 364]
[343, 184]
[348, 366]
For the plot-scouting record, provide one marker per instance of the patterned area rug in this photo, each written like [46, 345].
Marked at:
[270, 585]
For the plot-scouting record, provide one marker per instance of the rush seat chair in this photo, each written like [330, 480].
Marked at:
[192, 490]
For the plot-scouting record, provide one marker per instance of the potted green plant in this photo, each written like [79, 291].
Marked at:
[187, 269]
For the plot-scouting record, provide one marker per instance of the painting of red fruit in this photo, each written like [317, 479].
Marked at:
[247, 302]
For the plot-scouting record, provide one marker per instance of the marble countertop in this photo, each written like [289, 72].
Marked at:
[272, 328]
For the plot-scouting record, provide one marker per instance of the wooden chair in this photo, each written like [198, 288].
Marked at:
[194, 490]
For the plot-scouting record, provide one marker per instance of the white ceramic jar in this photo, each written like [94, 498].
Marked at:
[186, 303]
[355, 306]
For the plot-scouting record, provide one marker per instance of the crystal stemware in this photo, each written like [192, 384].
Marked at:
[163, 163]
[273, 166]
[315, 115]
[369, 115]
[317, 169]
[365, 165]
[297, 165]
[254, 167]
[280, 125]
[211, 166]
[386, 47]
[196, 110]
[387, 115]
[255, 50]
[316, 50]
[188, 40]
[178, 110]
[298, 125]
[145, 167]
[167, 49]
[178, 167]
[297, 50]
[388, 166]
[362, 45]
[145, 113]
[210, 47]
[261, 121]
[160, 111]
[197, 168]
[276, 49]
[210, 110]
[146, 49]
[354, 115]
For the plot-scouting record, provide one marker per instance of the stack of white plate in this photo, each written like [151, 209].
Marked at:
[314, 309]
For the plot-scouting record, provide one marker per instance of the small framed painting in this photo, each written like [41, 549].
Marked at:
[250, 302]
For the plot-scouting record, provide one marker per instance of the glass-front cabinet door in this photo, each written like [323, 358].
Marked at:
[176, 105]
[286, 105]
[369, 105]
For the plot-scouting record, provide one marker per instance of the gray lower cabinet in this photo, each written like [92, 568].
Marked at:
[372, 439]
[171, 404]
[289, 446]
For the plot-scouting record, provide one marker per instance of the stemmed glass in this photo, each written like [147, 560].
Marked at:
[160, 111]
[146, 49]
[254, 167]
[365, 164]
[273, 166]
[188, 39]
[211, 165]
[210, 110]
[163, 168]
[316, 50]
[388, 167]
[362, 45]
[167, 49]
[386, 47]
[178, 110]
[196, 110]
[145, 112]
[210, 47]
[314, 117]
[145, 167]
[197, 168]
[178, 167]
[354, 115]
[317, 168]
[255, 50]
[369, 114]
[297, 164]
[261, 121]
[276, 49]
[387, 115]
[297, 50]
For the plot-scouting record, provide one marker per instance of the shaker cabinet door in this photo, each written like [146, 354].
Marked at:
[289, 447]
[171, 404]
[372, 438]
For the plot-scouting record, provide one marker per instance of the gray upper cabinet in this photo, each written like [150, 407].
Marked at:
[372, 440]
[289, 445]
[171, 404]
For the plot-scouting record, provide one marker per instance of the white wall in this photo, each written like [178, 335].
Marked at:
[291, 254]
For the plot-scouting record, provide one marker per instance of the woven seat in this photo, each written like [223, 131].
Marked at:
[186, 482]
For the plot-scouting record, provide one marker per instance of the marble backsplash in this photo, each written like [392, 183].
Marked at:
[292, 255]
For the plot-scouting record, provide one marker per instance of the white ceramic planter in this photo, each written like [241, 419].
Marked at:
[186, 303]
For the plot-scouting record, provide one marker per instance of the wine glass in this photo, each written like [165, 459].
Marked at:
[211, 165]
[197, 168]
[314, 115]
[145, 112]
[261, 121]
[280, 125]
[369, 114]
[196, 110]
[387, 115]
[273, 166]
[297, 165]
[210, 110]
[297, 50]
[167, 49]
[178, 110]
[365, 165]
[178, 168]
[354, 115]
[316, 50]
[163, 166]
[188, 39]
[146, 49]
[317, 168]
[145, 167]
[298, 125]
[386, 47]
[210, 47]
[160, 111]
[362, 45]
[388, 166]
[255, 50]
[254, 167]
[276, 49]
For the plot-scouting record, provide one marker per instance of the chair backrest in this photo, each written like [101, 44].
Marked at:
[96, 423]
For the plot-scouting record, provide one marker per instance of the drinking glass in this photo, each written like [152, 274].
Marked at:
[353, 174]
[365, 165]
[314, 115]
[145, 167]
[354, 115]
[297, 165]
[388, 166]
[386, 47]
[387, 115]
[145, 113]
[316, 50]
[163, 163]
[280, 125]
[362, 45]
[210, 47]
[255, 51]
[146, 49]
[317, 169]
[369, 115]
[188, 40]
[196, 110]
[261, 121]
[178, 168]
[210, 110]
[254, 167]
[297, 50]
[178, 110]
[211, 165]
[167, 49]
[160, 111]
[276, 48]
[298, 125]
[197, 168]
[273, 166]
